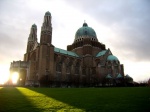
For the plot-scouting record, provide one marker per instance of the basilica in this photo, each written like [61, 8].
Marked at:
[86, 62]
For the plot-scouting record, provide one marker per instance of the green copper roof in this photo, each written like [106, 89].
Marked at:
[57, 50]
[127, 76]
[34, 26]
[112, 58]
[47, 13]
[109, 76]
[101, 53]
[119, 76]
[85, 30]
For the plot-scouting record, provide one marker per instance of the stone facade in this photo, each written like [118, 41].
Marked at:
[86, 62]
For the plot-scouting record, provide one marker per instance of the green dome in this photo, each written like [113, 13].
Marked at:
[34, 26]
[85, 31]
[112, 58]
[47, 13]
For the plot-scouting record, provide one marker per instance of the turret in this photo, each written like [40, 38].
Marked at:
[46, 29]
[32, 38]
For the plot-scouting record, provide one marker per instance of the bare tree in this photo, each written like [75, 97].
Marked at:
[148, 82]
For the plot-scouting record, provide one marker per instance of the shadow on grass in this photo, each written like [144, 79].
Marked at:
[79, 98]
[12, 100]
[104, 100]
[56, 100]
[74, 99]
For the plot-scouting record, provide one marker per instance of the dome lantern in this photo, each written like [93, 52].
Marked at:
[85, 25]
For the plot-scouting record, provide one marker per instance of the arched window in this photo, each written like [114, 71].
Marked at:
[67, 69]
[77, 68]
[93, 70]
[83, 71]
[59, 67]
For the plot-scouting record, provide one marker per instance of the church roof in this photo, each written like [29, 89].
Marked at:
[112, 58]
[101, 53]
[85, 31]
[109, 76]
[61, 51]
[119, 76]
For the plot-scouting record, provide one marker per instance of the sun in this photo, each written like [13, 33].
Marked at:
[15, 77]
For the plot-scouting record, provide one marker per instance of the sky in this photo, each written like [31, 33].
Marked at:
[122, 25]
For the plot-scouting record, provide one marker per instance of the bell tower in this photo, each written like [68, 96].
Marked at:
[46, 53]
[32, 38]
[46, 29]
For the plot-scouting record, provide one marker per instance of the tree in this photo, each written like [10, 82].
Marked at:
[148, 82]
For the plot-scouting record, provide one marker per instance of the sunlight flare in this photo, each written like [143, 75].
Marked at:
[4, 73]
[15, 77]
[3, 79]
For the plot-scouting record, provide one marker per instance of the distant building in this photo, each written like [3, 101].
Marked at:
[86, 62]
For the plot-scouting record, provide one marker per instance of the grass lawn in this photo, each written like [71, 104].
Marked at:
[19, 99]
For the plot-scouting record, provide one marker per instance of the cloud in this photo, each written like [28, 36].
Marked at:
[12, 36]
[10, 47]
[128, 20]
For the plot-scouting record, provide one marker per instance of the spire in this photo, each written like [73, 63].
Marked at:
[33, 34]
[34, 26]
[47, 13]
[47, 21]
[32, 37]
[46, 29]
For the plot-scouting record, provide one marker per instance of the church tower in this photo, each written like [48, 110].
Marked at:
[46, 30]
[46, 54]
[32, 38]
